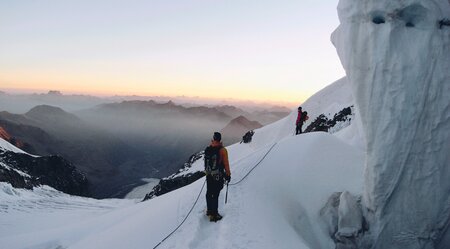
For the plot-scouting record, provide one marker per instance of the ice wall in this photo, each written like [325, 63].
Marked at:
[397, 61]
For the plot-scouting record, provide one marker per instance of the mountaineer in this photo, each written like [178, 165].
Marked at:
[217, 171]
[301, 118]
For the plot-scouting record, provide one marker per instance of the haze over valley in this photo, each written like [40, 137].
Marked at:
[119, 142]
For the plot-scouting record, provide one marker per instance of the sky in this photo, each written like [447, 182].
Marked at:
[276, 51]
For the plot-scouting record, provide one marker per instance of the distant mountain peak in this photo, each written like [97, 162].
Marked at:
[47, 111]
[54, 93]
[45, 108]
[171, 103]
[241, 120]
[237, 127]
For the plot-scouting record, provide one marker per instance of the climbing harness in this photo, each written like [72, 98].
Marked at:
[226, 197]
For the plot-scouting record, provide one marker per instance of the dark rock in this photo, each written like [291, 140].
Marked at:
[378, 20]
[444, 22]
[177, 180]
[322, 123]
[53, 171]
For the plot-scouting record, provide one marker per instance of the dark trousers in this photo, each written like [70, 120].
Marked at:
[213, 187]
[298, 129]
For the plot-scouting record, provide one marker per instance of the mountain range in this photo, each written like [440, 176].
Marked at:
[116, 144]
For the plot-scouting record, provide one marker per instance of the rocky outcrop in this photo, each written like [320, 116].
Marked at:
[177, 180]
[26, 171]
[323, 123]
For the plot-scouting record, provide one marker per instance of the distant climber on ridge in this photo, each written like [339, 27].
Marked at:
[217, 171]
[301, 118]
[247, 138]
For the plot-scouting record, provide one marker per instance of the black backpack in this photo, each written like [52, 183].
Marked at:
[212, 158]
[247, 138]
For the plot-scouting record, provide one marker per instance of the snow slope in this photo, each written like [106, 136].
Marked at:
[276, 206]
[139, 192]
[25, 212]
[5, 145]
[397, 61]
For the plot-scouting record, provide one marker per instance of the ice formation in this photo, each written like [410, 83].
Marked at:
[397, 60]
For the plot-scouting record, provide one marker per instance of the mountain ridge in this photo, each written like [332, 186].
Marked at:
[23, 170]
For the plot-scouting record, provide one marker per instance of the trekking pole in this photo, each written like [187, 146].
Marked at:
[226, 194]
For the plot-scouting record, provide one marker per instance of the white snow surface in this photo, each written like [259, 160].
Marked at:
[139, 192]
[5, 145]
[276, 206]
[399, 73]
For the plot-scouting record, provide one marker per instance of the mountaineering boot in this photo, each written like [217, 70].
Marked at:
[215, 217]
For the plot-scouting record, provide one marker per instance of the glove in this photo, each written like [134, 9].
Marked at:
[227, 178]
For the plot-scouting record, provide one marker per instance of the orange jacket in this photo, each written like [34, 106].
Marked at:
[223, 156]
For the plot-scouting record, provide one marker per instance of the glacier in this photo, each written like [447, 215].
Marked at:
[397, 61]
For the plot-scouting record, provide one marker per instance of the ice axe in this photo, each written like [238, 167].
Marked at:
[226, 194]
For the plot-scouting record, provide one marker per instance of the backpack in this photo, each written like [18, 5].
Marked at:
[247, 138]
[304, 117]
[212, 158]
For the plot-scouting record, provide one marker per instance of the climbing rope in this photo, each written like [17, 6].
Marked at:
[248, 173]
[201, 190]
[185, 218]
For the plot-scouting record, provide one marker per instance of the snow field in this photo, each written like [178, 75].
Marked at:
[38, 218]
[139, 192]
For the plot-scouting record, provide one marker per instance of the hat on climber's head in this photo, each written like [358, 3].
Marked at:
[217, 136]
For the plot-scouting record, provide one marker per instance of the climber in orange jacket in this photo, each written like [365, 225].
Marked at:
[217, 169]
